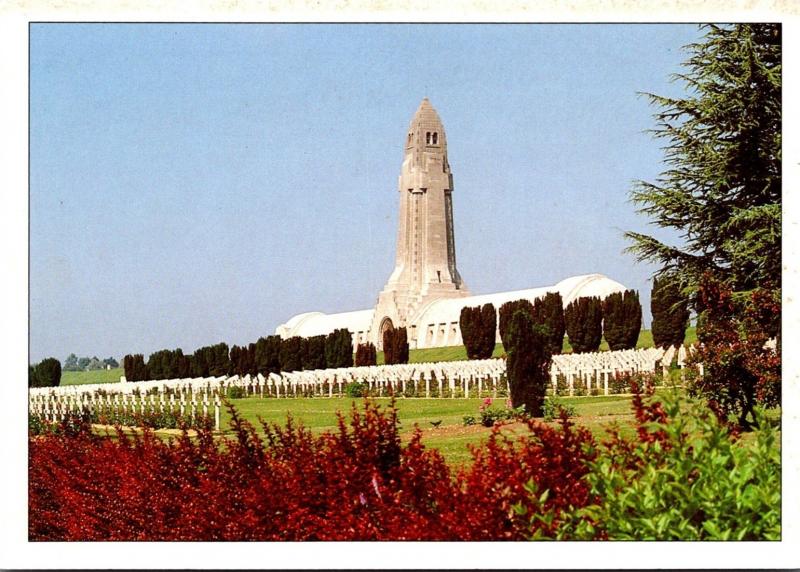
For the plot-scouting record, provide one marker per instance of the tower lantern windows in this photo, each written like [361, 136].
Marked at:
[435, 138]
[428, 138]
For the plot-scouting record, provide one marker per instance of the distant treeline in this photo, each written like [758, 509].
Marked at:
[269, 354]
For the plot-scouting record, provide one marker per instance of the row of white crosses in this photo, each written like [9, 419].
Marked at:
[456, 378]
[180, 397]
[591, 370]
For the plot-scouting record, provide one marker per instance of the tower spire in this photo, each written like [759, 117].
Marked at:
[425, 260]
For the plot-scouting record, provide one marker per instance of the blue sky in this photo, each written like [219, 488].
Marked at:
[197, 184]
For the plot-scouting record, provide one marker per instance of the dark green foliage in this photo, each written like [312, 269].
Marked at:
[549, 312]
[721, 186]
[268, 355]
[395, 346]
[110, 361]
[83, 363]
[315, 357]
[339, 349]
[167, 364]
[622, 319]
[478, 326]
[670, 311]
[47, 373]
[507, 310]
[584, 324]
[366, 354]
[242, 361]
[135, 368]
[528, 363]
[291, 354]
[211, 361]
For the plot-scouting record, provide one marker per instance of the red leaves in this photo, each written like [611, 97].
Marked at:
[358, 483]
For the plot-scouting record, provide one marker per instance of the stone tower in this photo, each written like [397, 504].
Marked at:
[425, 263]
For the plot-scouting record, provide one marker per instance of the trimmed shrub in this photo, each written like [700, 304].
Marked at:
[670, 311]
[135, 368]
[395, 346]
[584, 324]
[47, 373]
[356, 389]
[478, 326]
[291, 354]
[528, 363]
[268, 355]
[339, 348]
[366, 354]
[548, 311]
[506, 311]
[315, 356]
[622, 320]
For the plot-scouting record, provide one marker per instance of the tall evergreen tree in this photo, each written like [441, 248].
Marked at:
[488, 329]
[388, 346]
[291, 354]
[400, 342]
[527, 362]
[47, 373]
[721, 189]
[315, 353]
[584, 324]
[670, 311]
[548, 311]
[507, 310]
[622, 319]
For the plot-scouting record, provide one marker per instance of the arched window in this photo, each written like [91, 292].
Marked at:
[428, 138]
[435, 138]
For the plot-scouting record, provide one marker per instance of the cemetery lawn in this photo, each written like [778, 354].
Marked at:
[94, 376]
[451, 437]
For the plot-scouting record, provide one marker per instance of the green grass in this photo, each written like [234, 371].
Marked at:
[451, 437]
[95, 376]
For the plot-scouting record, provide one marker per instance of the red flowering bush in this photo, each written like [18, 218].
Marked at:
[357, 483]
[740, 369]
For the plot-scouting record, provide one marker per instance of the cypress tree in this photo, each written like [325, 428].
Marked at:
[400, 342]
[388, 346]
[291, 354]
[507, 310]
[548, 311]
[488, 329]
[470, 328]
[528, 362]
[315, 357]
[584, 321]
[366, 354]
[622, 320]
[670, 311]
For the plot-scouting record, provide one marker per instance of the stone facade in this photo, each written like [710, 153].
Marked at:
[425, 292]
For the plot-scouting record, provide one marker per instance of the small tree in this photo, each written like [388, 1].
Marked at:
[528, 363]
[366, 354]
[584, 324]
[622, 320]
[670, 311]
[135, 368]
[548, 311]
[388, 346]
